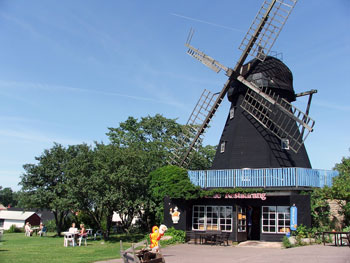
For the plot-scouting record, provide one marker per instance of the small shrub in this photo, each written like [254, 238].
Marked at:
[302, 231]
[178, 236]
[286, 242]
[14, 229]
[346, 229]
[51, 225]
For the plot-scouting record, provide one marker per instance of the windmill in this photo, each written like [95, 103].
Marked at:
[261, 93]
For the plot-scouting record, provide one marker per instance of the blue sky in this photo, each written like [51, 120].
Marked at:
[70, 69]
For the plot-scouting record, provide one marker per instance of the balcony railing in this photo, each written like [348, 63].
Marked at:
[265, 177]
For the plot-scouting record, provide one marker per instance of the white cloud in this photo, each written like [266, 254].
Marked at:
[330, 105]
[35, 137]
[206, 22]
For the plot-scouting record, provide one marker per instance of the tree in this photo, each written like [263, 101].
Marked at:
[171, 181]
[8, 197]
[341, 187]
[153, 139]
[203, 158]
[156, 136]
[44, 185]
[105, 179]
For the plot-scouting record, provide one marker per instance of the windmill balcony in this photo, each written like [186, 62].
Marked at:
[290, 177]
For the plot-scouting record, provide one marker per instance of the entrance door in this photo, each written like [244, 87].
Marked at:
[241, 223]
[256, 221]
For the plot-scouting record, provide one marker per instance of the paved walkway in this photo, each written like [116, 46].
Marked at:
[253, 253]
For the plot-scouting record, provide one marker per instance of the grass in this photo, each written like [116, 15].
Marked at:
[15, 247]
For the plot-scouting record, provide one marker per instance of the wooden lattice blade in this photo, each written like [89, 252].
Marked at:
[277, 115]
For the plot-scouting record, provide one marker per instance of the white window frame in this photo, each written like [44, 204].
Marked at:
[222, 147]
[275, 219]
[232, 113]
[241, 219]
[210, 218]
[285, 144]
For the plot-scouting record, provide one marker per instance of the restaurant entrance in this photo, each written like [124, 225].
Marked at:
[256, 227]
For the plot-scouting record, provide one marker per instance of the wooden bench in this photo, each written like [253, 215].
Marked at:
[190, 236]
[223, 238]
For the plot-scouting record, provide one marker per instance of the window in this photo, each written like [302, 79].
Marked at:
[275, 219]
[212, 218]
[232, 113]
[222, 147]
[2, 222]
[285, 144]
[241, 219]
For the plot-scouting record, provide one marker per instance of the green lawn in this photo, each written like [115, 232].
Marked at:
[15, 247]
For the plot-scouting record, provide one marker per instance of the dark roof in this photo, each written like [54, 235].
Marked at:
[44, 214]
[275, 74]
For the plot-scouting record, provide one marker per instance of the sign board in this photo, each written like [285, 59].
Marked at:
[293, 218]
[261, 196]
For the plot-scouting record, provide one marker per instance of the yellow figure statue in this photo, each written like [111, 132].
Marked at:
[156, 235]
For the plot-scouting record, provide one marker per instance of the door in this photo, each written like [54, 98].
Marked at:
[256, 221]
[241, 223]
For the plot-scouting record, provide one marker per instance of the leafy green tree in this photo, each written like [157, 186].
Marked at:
[153, 139]
[44, 185]
[203, 158]
[156, 136]
[320, 210]
[341, 187]
[83, 189]
[171, 181]
[108, 178]
[8, 197]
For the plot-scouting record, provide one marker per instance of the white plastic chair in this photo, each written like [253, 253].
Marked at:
[82, 238]
[98, 234]
[69, 238]
[89, 233]
[43, 232]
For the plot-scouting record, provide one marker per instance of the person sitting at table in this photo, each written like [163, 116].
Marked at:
[28, 229]
[42, 229]
[82, 231]
[73, 229]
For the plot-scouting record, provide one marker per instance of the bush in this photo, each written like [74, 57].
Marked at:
[14, 229]
[346, 229]
[178, 236]
[286, 242]
[51, 225]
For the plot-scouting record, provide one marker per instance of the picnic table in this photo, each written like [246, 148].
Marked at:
[35, 229]
[338, 237]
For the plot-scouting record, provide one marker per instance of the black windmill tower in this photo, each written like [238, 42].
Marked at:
[263, 129]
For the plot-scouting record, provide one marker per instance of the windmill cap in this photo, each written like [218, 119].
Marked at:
[271, 73]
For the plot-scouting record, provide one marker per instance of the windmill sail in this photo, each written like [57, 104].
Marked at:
[266, 27]
[258, 41]
[186, 142]
[202, 57]
[262, 106]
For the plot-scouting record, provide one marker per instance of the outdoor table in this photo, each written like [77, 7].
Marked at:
[35, 229]
[208, 235]
[337, 237]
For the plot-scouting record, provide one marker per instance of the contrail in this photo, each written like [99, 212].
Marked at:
[209, 23]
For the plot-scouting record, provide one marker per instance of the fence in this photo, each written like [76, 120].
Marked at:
[266, 177]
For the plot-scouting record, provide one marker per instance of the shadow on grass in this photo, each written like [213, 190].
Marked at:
[131, 238]
[114, 238]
